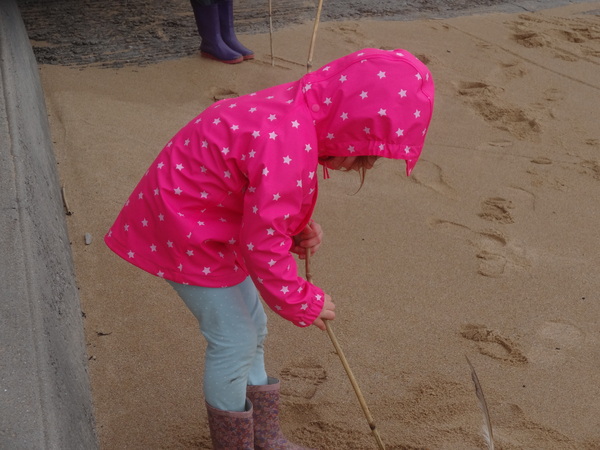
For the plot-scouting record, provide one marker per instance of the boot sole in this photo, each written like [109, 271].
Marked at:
[226, 61]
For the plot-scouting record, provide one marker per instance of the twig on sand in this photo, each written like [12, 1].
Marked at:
[63, 194]
[338, 349]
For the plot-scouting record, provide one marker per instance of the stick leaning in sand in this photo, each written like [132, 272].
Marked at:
[271, 31]
[314, 37]
[334, 341]
[338, 349]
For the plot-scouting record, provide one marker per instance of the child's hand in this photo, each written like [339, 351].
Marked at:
[326, 314]
[310, 238]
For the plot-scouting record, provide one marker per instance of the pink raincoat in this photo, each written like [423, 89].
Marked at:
[226, 195]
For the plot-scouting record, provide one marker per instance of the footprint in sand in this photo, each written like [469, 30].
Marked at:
[566, 38]
[302, 379]
[530, 39]
[487, 101]
[513, 429]
[544, 178]
[435, 408]
[553, 95]
[513, 69]
[591, 167]
[593, 142]
[541, 160]
[431, 176]
[333, 434]
[493, 256]
[493, 344]
[422, 57]
[444, 414]
[497, 209]
[351, 33]
[494, 252]
[223, 93]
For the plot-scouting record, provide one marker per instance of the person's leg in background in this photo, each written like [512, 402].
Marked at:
[206, 13]
[228, 29]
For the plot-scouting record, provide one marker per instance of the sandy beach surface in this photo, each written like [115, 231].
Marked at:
[490, 249]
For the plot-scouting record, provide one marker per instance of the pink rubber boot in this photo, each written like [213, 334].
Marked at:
[267, 434]
[231, 430]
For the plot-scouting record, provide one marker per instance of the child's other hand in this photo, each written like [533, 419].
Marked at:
[326, 314]
[310, 238]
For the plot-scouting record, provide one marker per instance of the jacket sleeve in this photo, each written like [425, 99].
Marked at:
[278, 203]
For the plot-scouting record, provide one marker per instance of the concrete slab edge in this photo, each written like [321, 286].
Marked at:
[45, 394]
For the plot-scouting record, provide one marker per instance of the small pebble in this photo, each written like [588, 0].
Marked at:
[88, 238]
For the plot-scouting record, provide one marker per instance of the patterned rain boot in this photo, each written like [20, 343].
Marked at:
[209, 29]
[228, 31]
[267, 434]
[231, 430]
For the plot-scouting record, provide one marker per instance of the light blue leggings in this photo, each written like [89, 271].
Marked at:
[234, 323]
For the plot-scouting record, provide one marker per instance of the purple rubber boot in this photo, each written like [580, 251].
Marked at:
[231, 430]
[209, 29]
[265, 403]
[228, 31]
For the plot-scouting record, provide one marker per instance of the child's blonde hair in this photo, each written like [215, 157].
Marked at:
[361, 164]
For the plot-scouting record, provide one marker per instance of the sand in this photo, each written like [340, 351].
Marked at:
[490, 249]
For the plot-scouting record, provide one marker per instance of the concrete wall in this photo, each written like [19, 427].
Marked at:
[45, 400]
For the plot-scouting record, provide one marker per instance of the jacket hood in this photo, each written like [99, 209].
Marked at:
[371, 102]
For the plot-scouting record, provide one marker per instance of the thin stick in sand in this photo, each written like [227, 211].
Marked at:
[338, 349]
[314, 37]
[271, 32]
[63, 194]
[332, 337]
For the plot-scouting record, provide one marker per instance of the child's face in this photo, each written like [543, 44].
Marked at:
[346, 162]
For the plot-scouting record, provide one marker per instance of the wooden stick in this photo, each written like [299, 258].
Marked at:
[339, 351]
[271, 32]
[314, 37]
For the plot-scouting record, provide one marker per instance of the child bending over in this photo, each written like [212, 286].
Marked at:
[228, 200]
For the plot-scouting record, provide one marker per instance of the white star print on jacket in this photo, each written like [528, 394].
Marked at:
[226, 195]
